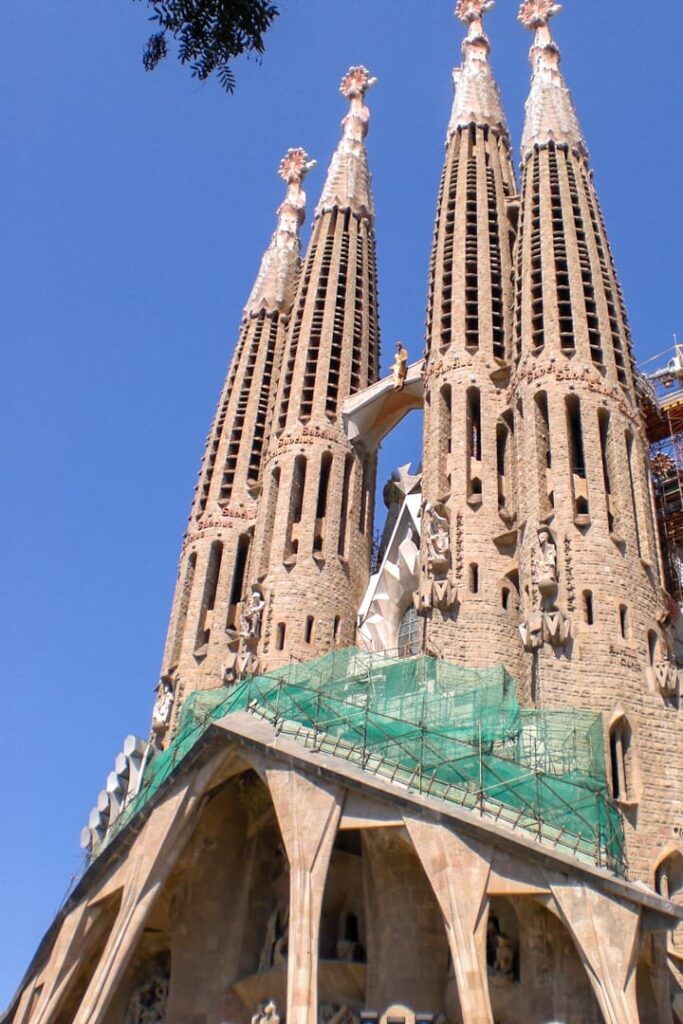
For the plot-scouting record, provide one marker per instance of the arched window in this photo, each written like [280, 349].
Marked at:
[669, 876]
[408, 633]
[622, 761]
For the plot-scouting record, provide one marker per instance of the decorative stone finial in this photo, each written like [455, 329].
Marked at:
[472, 10]
[348, 180]
[550, 113]
[534, 14]
[356, 82]
[477, 100]
[295, 165]
[276, 281]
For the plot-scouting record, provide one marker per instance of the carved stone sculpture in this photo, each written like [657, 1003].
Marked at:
[148, 1003]
[266, 1014]
[252, 615]
[400, 367]
[163, 705]
[504, 961]
[546, 565]
[437, 533]
[274, 950]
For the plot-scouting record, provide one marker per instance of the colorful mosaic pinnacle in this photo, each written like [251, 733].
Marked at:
[472, 10]
[534, 14]
[295, 165]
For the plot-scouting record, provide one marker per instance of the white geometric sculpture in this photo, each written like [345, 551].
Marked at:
[122, 785]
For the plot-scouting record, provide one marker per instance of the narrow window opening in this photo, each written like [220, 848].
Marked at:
[505, 598]
[296, 504]
[623, 621]
[474, 445]
[237, 588]
[445, 436]
[604, 425]
[652, 646]
[336, 627]
[621, 761]
[209, 597]
[271, 511]
[577, 457]
[308, 632]
[544, 457]
[344, 514]
[280, 636]
[632, 485]
[588, 608]
[474, 578]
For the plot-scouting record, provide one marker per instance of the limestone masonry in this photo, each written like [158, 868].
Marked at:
[441, 780]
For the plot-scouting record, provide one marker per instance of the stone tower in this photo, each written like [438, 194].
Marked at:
[469, 582]
[595, 619]
[313, 540]
[204, 624]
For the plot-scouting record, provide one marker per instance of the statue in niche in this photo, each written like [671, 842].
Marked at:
[252, 615]
[400, 367]
[163, 705]
[437, 532]
[266, 1014]
[274, 951]
[148, 1003]
[546, 564]
[500, 950]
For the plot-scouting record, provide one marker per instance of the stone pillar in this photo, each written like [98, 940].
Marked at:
[458, 872]
[606, 933]
[308, 814]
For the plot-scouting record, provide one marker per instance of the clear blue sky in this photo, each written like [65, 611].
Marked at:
[134, 212]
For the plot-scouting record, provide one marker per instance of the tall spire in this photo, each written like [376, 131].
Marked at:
[477, 98]
[276, 281]
[550, 112]
[349, 183]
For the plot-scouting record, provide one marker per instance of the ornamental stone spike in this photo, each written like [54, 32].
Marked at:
[349, 184]
[276, 281]
[550, 112]
[477, 99]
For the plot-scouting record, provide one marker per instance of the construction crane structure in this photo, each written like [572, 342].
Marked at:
[661, 391]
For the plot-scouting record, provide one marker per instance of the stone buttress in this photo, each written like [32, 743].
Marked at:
[313, 538]
[595, 618]
[469, 571]
[209, 599]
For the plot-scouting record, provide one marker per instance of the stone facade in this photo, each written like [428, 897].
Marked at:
[278, 880]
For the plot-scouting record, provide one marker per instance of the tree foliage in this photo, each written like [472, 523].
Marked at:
[209, 34]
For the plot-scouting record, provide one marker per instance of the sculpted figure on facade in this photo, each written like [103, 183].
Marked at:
[266, 1014]
[400, 367]
[148, 1003]
[163, 705]
[437, 532]
[547, 624]
[252, 615]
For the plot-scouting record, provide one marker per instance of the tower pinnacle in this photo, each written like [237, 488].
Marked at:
[550, 113]
[477, 99]
[276, 280]
[348, 184]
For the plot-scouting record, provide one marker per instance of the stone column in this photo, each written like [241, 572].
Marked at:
[308, 814]
[606, 933]
[458, 872]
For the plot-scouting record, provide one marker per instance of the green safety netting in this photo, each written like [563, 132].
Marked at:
[450, 732]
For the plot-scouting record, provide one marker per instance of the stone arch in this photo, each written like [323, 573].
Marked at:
[89, 948]
[407, 947]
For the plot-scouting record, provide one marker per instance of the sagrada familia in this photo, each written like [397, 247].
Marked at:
[438, 779]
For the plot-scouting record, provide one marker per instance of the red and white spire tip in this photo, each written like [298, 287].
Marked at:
[477, 100]
[276, 280]
[550, 113]
[348, 182]
[535, 14]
